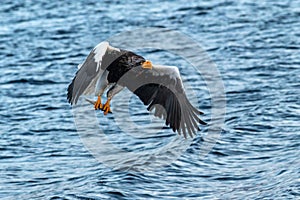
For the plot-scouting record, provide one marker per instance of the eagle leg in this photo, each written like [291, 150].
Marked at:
[106, 107]
[115, 89]
[98, 105]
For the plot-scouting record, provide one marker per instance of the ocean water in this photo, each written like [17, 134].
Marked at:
[256, 48]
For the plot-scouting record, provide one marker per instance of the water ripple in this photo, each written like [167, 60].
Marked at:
[256, 48]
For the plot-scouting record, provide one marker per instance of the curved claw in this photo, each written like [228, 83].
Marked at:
[106, 107]
[98, 105]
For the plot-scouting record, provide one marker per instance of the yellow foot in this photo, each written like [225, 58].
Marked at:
[98, 104]
[106, 107]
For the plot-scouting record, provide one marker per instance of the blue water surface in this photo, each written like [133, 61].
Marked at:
[256, 47]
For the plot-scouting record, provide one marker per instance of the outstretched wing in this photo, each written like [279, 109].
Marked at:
[91, 70]
[162, 90]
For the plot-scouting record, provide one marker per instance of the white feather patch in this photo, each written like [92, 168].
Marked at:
[161, 70]
[100, 50]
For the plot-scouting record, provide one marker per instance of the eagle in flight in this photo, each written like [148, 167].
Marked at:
[157, 86]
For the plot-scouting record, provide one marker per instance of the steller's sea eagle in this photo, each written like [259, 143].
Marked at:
[160, 87]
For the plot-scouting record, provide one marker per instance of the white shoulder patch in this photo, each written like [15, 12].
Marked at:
[100, 50]
[113, 49]
[172, 71]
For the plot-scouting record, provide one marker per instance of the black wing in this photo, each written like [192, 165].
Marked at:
[162, 90]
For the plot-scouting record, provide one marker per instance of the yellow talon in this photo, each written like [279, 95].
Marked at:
[106, 107]
[98, 104]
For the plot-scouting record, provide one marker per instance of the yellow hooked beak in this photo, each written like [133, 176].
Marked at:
[147, 65]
